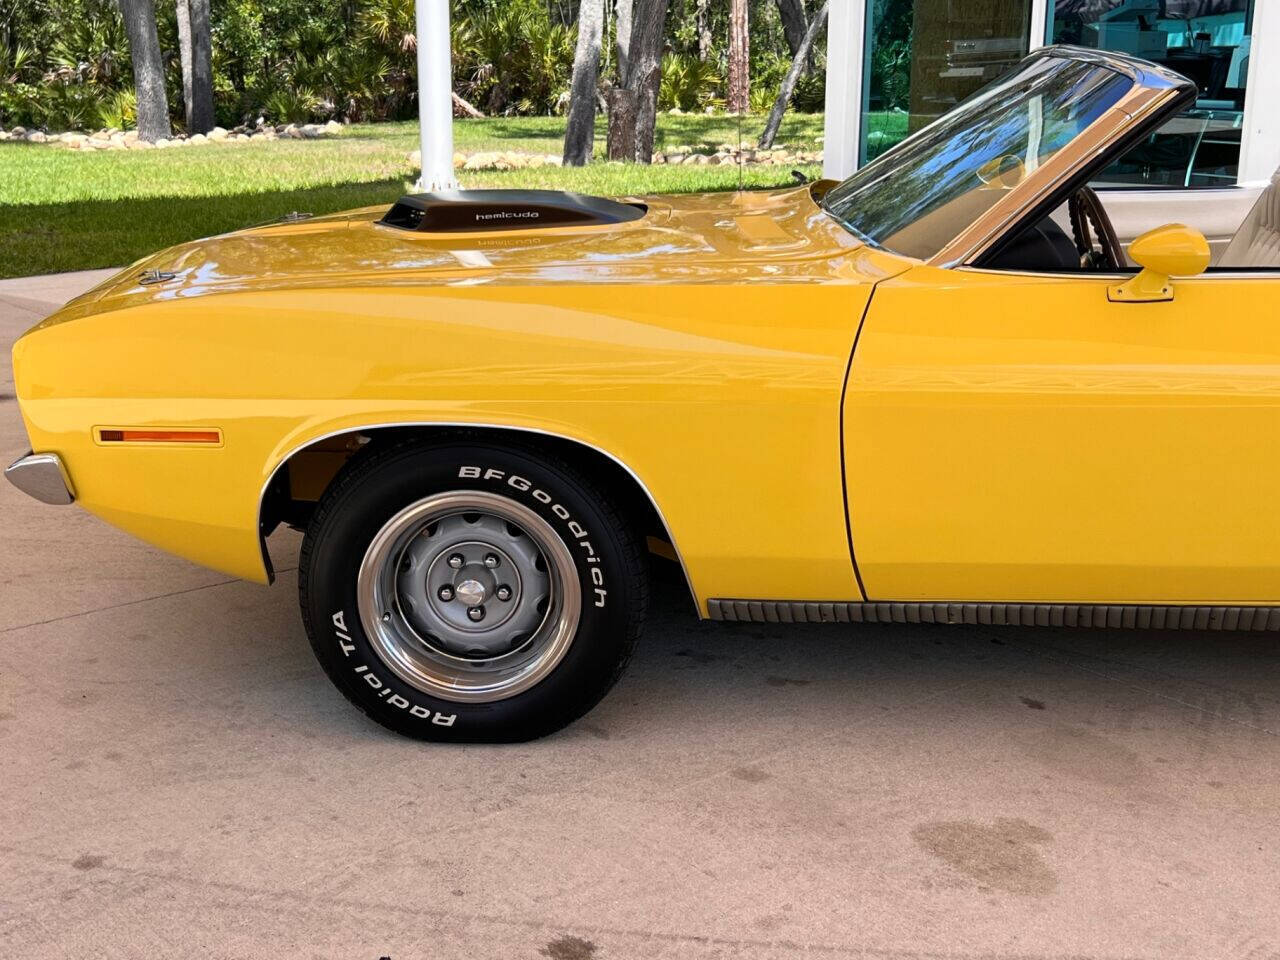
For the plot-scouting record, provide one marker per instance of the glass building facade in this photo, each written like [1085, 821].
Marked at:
[921, 57]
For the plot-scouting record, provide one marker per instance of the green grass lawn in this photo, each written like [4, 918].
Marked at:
[72, 210]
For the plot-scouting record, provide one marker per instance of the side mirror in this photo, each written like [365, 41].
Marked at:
[1172, 250]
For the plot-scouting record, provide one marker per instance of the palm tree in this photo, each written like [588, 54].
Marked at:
[739, 58]
[148, 70]
[580, 132]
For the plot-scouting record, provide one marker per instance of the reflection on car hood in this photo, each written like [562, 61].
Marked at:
[771, 237]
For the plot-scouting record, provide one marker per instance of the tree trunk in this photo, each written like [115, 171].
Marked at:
[462, 106]
[639, 88]
[794, 25]
[623, 26]
[200, 107]
[184, 55]
[700, 24]
[148, 71]
[739, 58]
[622, 124]
[789, 82]
[580, 132]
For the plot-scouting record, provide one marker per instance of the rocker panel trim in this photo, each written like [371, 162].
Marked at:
[1123, 616]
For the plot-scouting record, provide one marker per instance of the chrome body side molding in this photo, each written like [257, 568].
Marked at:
[41, 475]
[1119, 616]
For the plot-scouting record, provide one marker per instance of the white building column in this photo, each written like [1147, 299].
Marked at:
[846, 51]
[1041, 14]
[1260, 137]
[435, 95]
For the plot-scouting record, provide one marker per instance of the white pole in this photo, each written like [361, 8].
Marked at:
[846, 49]
[435, 95]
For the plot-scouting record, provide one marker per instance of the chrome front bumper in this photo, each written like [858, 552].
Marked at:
[41, 475]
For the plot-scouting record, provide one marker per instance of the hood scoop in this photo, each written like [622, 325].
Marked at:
[474, 211]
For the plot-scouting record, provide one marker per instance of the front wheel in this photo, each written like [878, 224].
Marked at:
[469, 591]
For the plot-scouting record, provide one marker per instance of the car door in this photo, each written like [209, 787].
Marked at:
[1017, 437]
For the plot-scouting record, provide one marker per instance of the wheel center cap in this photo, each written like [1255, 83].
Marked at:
[470, 592]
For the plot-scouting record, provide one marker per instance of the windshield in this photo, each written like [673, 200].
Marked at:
[919, 196]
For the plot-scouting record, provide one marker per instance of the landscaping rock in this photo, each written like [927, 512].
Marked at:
[217, 133]
[18, 132]
[333, 126]
[198, 138]
[35, 136]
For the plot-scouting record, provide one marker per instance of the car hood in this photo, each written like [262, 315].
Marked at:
[768, 236]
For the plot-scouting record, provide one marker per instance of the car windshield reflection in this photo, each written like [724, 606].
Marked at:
[919, 196]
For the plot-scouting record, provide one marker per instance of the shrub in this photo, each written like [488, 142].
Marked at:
[688, 83]
[119, 110]
[287, 105]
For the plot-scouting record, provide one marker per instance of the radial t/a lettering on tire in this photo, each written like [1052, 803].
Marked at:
[470, 592]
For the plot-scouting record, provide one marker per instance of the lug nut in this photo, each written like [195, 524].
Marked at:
[504, 592]
[491, 560]
[475, 613]
[456, 561]
[446, 593]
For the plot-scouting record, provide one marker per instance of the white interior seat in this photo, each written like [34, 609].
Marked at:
[1257, 242]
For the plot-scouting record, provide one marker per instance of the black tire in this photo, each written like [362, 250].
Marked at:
[375, 487]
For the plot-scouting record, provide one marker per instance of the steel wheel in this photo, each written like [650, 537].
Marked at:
[469, 596]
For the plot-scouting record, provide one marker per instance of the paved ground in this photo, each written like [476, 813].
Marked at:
[178, 779]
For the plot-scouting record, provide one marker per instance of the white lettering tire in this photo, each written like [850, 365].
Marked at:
[470, 592]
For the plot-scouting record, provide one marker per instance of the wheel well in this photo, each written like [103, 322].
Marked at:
[300, 480]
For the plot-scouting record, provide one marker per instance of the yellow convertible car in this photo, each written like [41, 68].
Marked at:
[936, 392]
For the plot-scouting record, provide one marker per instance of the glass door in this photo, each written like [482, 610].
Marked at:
[1207, 41]
[925, 56]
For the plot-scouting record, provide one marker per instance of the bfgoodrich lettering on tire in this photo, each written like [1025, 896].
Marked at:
[469, 591]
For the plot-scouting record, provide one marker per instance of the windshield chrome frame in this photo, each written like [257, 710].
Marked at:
[1155, 91]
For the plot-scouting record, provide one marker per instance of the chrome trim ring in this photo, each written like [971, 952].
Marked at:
[469, 596]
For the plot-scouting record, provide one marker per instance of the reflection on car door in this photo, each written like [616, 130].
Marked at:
[1013, 437]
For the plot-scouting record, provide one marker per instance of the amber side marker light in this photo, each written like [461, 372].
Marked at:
[160, 436]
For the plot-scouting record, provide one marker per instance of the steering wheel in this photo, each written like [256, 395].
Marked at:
[1090, 225]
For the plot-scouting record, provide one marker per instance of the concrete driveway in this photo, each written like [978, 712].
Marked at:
[177, 778]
